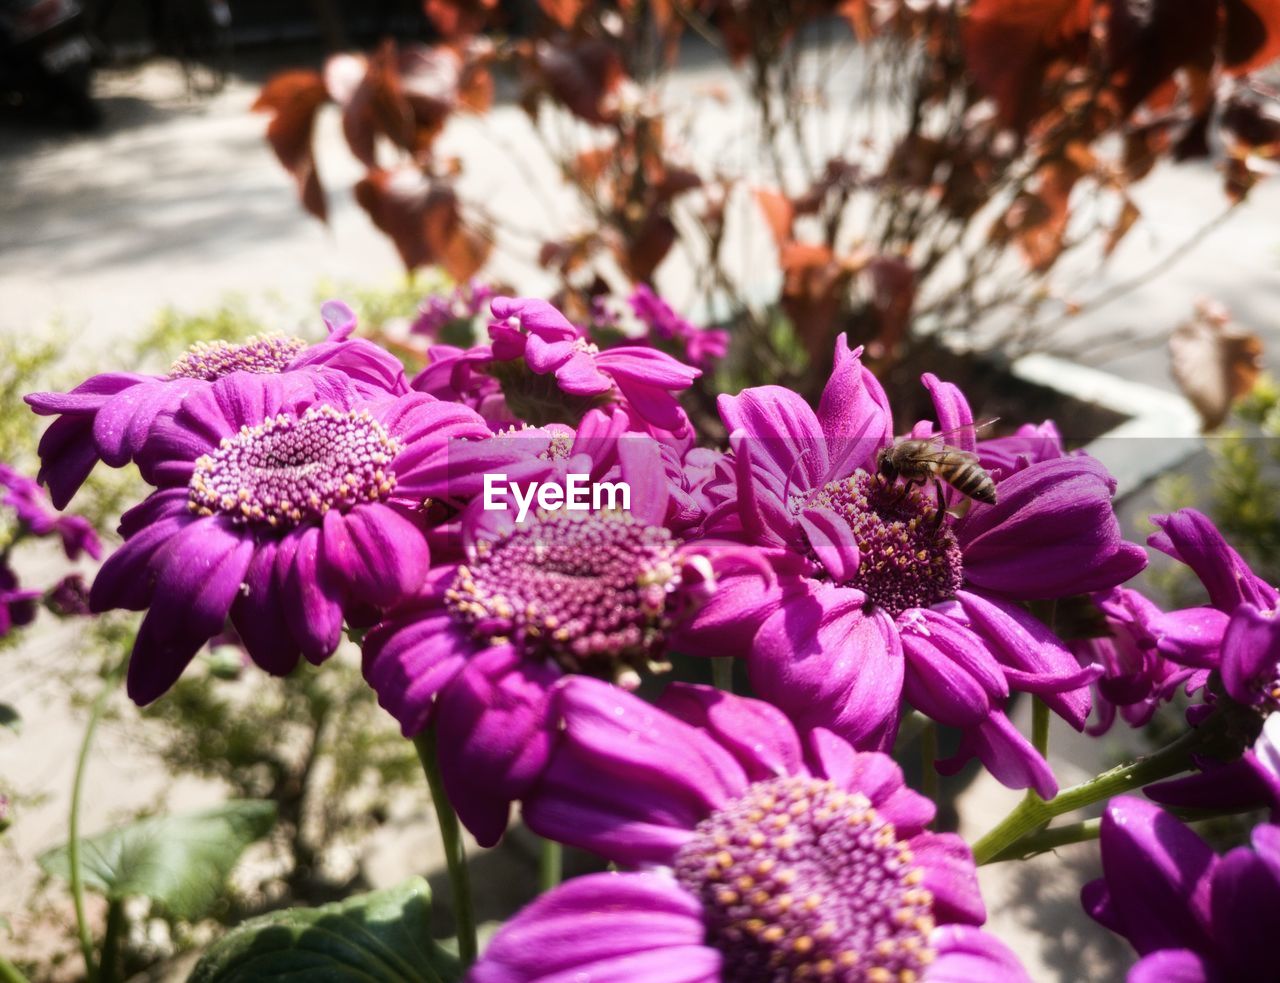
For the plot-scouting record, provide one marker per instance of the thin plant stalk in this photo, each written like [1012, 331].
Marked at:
[9, 973]
[454, 851]
[1033, 813]
[722, 673]
[551, 865]
[110, 957]
[928, 757]
[73, 823]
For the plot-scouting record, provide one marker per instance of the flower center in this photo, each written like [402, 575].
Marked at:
[587, 589]
[907, 558]
[261, 355]
[290, 468]
[802, 881]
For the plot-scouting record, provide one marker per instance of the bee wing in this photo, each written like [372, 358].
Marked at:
[976, 428]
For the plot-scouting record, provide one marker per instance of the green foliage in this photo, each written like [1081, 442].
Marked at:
[265, 737]
[383, 935]
[10, 718]
[179, 862]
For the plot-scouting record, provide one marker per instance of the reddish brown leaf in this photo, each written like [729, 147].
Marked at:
[1252, 34]
[893, 295]
[858, 14]
[293, 99]
[582, 75]
[1007, 44]
[648, 247]
[1037, 220]
[674, 181]
[1129, 215]
[456, 18]
[813, 284]
[1213, 363]
[1149, 40]
[423, 219]
[778, 213]
[563, 12]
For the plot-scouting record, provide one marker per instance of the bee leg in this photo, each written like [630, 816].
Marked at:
[941, 504]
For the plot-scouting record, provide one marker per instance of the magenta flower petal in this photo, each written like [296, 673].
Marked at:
[618, 734]
[951, 876]
[1191, 537]
[1157, 876]
[826, 663]
[376, 551]
[606, 928]
[1191, 637]
[854, 405]
[949, 676]
[1052, 534]
[877, 776]
[833, 543]
[653, 404]
[966, 955]
[1245, 900]
[786, 438]
[493, 737]
[631, 363]
[1007, 755]
[312, 601]
[757, 734]
[258, 615]
[1043, 664]
[548, 356]
[199, 577]
[409, 659]
[1172, 966]
[125, 580]
[954, 416]
[538, 317]
[727, 622]
[1250, 650]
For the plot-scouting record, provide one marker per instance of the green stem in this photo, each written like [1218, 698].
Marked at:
[73, 823]
[1040, 726]
[1042, 841]
[722, 673]
[111, 942]
[928, 755]
[454, 851]
[1033, 812]
[9, 973]
[551, 869]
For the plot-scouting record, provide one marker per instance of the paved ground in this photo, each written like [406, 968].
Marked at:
[179, 202]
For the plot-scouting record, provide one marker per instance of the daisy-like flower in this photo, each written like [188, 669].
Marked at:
[591, 592]
[109, 417]
[882, 596]
[1136, 678]
[33, 509]
[1238, 632]
[699, 346]
[547, 371]
[281, 501]
[1193, 916]
[767, 855]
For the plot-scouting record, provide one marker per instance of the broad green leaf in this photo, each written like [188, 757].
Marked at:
[383, 936]
[179, 862]
[9, 717]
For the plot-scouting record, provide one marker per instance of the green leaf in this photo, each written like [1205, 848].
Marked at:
[9, 717]
[383, 936]
[179, 862]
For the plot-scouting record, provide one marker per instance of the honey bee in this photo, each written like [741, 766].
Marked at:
[925, 459]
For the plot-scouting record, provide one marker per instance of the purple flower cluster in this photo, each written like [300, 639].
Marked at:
[302, 490]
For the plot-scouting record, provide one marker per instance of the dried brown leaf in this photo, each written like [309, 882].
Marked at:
[293, 99]
[1213, 363]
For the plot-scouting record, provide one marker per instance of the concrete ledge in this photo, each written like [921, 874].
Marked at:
[1162, 429]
